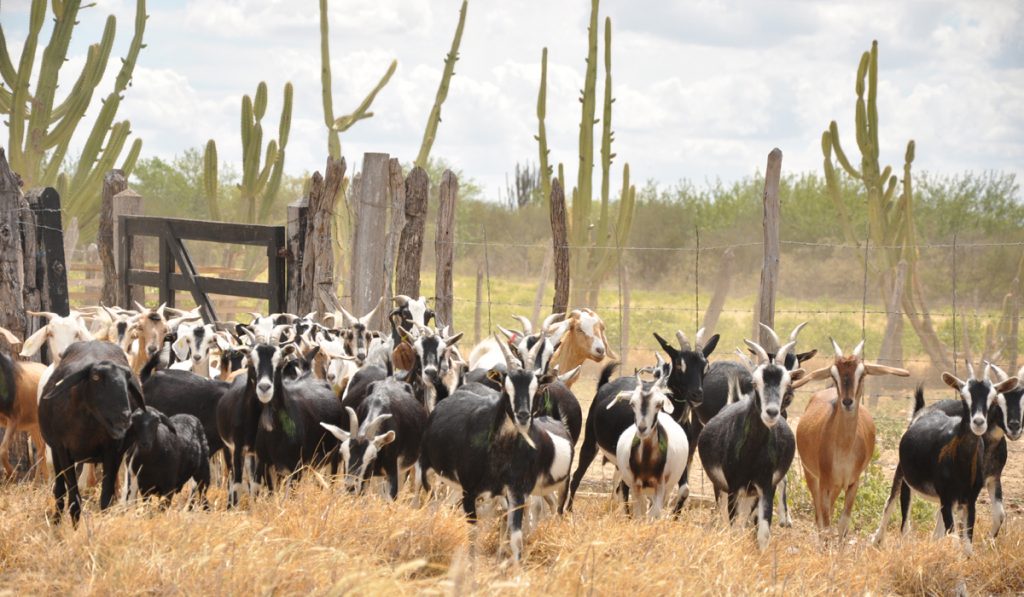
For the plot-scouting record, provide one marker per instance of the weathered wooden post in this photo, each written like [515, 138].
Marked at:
[770, 266]
[295, 231]
[12, 315]
[113, 183]
[318, 255]
[396, 189]
[560, 245]
[444, 249]
[407, 270]
[366, 278]
[128, 203]
[542, 285]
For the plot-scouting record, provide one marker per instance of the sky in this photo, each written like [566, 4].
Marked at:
[703, 89]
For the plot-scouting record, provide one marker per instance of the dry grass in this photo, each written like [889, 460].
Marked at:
[317, 540]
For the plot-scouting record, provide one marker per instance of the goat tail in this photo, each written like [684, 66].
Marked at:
[150, 366]
[918, 401]
[606, 374]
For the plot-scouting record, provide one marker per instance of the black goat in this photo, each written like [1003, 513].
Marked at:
[747, 448]
[84, 414]
[175, 392]
[941, 454]
[289, 435]
[388, 441]
[165, 452]
[491, 445]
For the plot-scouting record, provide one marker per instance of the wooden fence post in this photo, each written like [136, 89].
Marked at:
[410, 247]
[542, 285]
[113, 183]
[12, 315]
[396, 188]
[128, 203]
[318, 255]
[296, 238]
[50, 238]
[770, 266]
[366, 279]
[444, 249]
[560, 245]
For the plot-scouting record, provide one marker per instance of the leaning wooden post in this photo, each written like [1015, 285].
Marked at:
[770, 266]
[12, 315]
[128, 203]
[722, 283]
[295, 233]
[113, 183]
[478, 312]
[560, 245]
[444, 249]
[542, 285]
[410, 247]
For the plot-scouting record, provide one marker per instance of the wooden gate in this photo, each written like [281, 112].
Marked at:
[178, 272]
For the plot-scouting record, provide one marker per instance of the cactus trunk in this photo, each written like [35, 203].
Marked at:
[434, 119]
[542, 136]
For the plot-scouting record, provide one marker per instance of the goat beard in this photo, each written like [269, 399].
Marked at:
[267, 419]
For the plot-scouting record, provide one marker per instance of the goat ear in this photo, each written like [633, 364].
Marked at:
[806, 356]
[796, 375]
[952, 381]
[63, 386]
[11, 338]
[607, 345]
[133, 388]
[336, 431]
[180, 348]
[384, 439]
[1006, 385]
[34, 342]
[666, 406]
[876, 369]
[167, 421]
[823, 373]
[709, 347]
[453, 340]
[668, 348]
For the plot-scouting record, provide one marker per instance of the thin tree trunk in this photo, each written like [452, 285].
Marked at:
[444, 249]
[560, 246]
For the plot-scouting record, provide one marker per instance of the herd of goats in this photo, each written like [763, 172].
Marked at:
[162, 393]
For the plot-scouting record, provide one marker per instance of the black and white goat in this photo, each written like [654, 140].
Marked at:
[356, 334]
[490, 444]
[165, 452]
[651, 453]
[942, 455]
[388, 441]
[747, 448]
[407, 314]
[84, 415]
[438, 365]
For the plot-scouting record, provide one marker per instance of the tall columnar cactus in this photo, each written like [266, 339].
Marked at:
[343, 123]
[40, 129]
[259, 185]
[210, 179]
[890, 217]
[542, 136]
[434, 119]
[593, 257]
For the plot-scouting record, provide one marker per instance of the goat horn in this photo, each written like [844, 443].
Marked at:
[660, 360]
[11, 338]
[835, 347]
[509, 333]
[699, 340]
[780, 357]
[531, 357]
[762, 355]
[140, 306]
[365, 319]
[1000, 374]
[401, 300]
[684, 344]
[551, 320]
[47, 314]
[527, 325]
[348, 317]
[374, 425]
[986, 372]
[970, 369]
[776, 343]
[353, 421]
[858, 351]
[510, 361]
[796, 332]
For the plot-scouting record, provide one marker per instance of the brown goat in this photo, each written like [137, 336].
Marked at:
[584, 338]
[836, 434]
[23, 412]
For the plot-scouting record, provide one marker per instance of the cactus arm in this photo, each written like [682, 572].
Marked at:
[20, 95]
[8, 75]
[833, 133]
[834, 192]
[872, 115]
[583, 192]
[94, 142]
[210, 179]
[542, 135]
[269, 160]
[442, 92]
[84, 197]
[259, 102]
[46, 84]
[285, 125]
[606, 138]
[273, 185]
[128, 165]
[124, 76]
[91, 75]
[362, 111]
[6, 98]
[333, 139]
